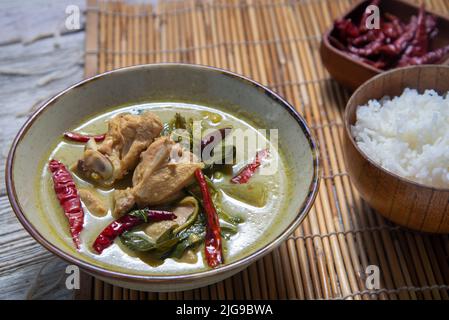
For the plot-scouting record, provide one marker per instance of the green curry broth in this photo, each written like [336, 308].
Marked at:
[256, 202]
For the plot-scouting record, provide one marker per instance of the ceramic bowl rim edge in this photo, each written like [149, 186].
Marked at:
[148, 279]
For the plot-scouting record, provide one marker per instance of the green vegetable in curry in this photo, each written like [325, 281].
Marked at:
[171, 228]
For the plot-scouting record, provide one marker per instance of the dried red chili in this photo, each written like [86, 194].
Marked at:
[127, 222]
[213, 246]
[371, 48]
[420, 43]
[428, 58]
[431, 26]
[346, 29]
[396, 22]
[78, 137]
[390, 30]
[247, 172]
[393, 44]
[68, 197]
[367, 37]
[396, 48]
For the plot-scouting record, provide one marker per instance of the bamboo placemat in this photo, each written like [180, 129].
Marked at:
[276, 43]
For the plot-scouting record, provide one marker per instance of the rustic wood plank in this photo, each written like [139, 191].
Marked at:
[29, 77]
[29, 21]
[14, 287]
[38, 58]
[91, 60]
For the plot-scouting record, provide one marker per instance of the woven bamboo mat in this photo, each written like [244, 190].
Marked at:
[276, 43]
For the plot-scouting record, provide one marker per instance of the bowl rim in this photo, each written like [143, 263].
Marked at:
[154, 279]
[364, 155]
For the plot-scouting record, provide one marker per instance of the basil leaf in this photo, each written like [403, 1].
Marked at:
[178, 122]
[191, 241]
[141, 214]
[136, 242]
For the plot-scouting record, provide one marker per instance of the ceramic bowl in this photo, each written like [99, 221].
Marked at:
[400, 200]
[156, 83]
[352, 73]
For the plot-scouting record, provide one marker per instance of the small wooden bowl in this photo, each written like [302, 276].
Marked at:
[400, 200]
[352, 73]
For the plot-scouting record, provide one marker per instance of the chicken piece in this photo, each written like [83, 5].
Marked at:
[164, 170]
[155, 157]
[127, 137]
[92, 202]
[123, 202]
[94, 165]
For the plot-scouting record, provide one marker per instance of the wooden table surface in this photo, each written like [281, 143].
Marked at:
[38, 58]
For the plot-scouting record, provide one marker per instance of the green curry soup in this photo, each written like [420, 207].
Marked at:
[250, 208]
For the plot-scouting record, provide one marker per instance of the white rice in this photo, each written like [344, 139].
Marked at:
[407, 135]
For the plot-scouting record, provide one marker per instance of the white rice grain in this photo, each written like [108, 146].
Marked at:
[407, 135]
